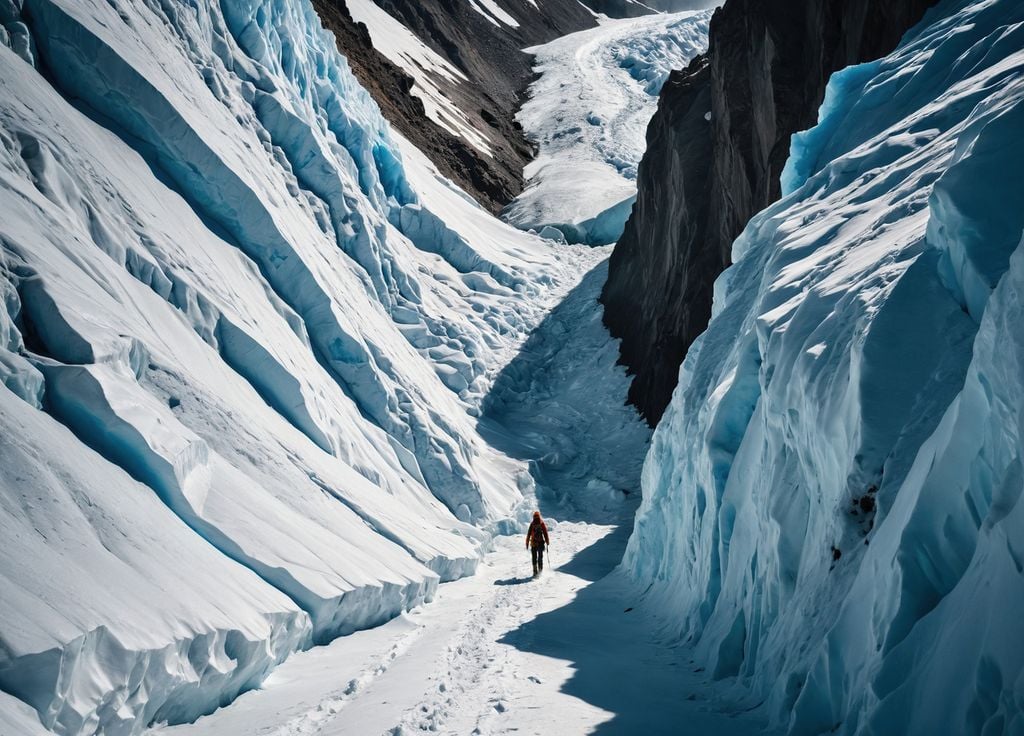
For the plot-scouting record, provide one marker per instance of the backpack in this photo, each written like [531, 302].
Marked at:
[538, 534]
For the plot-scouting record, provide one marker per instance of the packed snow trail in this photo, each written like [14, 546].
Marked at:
[588, 113]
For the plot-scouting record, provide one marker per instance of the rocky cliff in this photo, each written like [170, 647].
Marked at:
[716, 148]
[492, 180]
[485, 52]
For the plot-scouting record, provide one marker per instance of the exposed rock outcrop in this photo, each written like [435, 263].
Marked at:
[489, 53]
[716, 148]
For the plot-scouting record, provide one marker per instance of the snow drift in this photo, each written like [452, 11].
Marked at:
[831, 503]
[242, 341]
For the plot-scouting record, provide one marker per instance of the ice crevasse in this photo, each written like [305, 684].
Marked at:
[243, 337]
[832, 503]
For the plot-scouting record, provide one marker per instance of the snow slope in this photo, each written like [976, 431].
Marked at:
[588, 113]
[831, 504]
[244, 337]
[424, 65]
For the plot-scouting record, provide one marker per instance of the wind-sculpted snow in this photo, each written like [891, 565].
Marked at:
[244, 337]
[831, 503]
[587, 113]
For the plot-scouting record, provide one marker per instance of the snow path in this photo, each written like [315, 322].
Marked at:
[588, 113]
[499, 652]
[496, 653]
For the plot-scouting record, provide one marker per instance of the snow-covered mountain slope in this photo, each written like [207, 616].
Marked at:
[245, 333]
[427, 68]
[449, 76]
[832, 501]
[587, 112]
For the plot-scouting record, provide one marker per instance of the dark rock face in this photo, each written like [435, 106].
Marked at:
[701, 181]
[648, 302]
[498, 70]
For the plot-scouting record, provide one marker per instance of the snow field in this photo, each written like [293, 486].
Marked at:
[830, 502]
[588, 113]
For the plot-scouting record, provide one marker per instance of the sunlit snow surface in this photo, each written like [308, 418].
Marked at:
[244, 335]
[588, 113]
[832, 502]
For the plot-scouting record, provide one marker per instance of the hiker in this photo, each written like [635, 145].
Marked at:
[537, 539]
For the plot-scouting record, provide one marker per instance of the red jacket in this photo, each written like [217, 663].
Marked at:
[537, 534]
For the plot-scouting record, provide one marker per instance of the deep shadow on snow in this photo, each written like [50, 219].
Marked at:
[560, 405]
[605, 632]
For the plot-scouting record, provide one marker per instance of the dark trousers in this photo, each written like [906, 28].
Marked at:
[538, 558]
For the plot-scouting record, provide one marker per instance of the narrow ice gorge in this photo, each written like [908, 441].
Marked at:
[243, 339]
[831, 503]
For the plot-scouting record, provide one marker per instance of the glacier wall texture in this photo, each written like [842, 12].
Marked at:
[243, 341]
[831, 503]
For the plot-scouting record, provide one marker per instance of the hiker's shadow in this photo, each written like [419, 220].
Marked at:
[513, 581]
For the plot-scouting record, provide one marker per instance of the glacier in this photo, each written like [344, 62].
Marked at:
[245, 336]
[587, 112]
[831, 510]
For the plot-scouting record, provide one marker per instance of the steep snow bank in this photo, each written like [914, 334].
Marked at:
[831, 501]
[241, 349]
[588, 112]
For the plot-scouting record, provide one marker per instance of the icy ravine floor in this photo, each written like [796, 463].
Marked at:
[496, 653]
